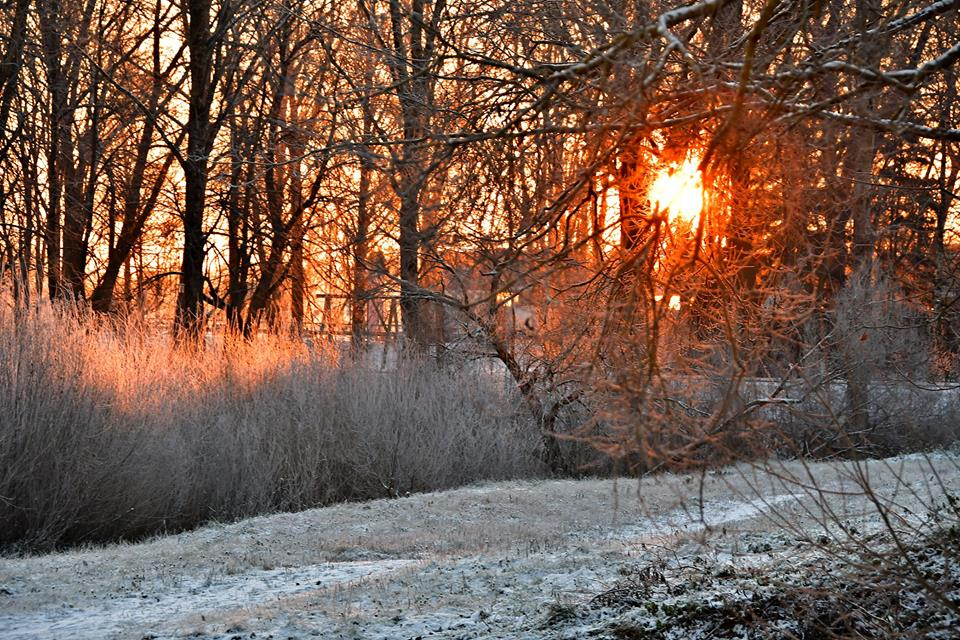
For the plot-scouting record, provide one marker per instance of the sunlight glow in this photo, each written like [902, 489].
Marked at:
[673, 303]
[678, 190]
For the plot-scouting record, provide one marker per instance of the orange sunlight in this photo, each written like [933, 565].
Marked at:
[678, 190]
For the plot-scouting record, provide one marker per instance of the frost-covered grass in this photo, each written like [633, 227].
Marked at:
[110, 432]
[746, 551]
[783, 587]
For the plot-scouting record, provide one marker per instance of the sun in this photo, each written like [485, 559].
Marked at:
[677, 191]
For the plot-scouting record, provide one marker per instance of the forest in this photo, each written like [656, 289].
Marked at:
[297, 166]
[263, 256]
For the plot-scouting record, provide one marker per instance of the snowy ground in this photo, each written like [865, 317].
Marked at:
[508, 560]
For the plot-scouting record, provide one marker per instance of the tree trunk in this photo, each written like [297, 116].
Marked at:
[238, 212]
[297, 149]
[633, 210]
[297, 275]
[26, 240]
[58, 118]
[858, 170]
[413, 51]
[358, 300]
[78, 211]
[411, 302]
[190, 300]
[189, 316]
[11, 63]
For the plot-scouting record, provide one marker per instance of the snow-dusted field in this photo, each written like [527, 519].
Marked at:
[508, 560]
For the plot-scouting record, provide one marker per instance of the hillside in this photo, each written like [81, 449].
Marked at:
[505, 560]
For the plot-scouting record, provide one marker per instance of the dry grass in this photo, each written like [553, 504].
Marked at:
[111, 432]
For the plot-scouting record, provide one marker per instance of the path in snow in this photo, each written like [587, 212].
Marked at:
[182, 603]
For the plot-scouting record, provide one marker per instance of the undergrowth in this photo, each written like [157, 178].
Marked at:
[111, 432]
[896, 592]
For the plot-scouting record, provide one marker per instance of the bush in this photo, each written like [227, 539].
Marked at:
[111, 432]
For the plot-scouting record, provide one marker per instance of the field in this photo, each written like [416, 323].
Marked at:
[724, 554]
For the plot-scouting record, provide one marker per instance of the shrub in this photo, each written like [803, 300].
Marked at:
[110, 431]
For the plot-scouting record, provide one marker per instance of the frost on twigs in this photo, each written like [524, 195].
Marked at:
[801, 593]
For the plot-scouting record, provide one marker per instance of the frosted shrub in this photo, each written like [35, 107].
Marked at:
[111, 432]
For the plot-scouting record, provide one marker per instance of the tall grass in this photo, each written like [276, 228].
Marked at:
[111, 432]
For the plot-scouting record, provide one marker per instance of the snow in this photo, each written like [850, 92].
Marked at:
[694, 520]
[181, 604]
[506, 560]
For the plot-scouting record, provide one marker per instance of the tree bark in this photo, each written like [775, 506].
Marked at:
[50, 12]
[11, 63]
[358, 299]
[413, 50]
[189, 315]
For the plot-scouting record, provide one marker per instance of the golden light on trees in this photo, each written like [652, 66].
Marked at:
[677, 191]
